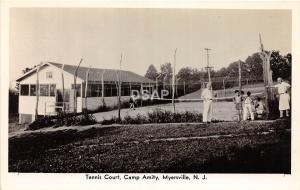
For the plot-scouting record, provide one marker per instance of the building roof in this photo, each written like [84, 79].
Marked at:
[95, 74]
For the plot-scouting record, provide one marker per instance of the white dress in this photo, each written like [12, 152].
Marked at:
[207, 105]
[284, 97]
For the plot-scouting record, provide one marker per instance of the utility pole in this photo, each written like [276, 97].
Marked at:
[86, 87]
[265, 56]
[224, 89]
[240, 76]
[119, 99]
[75, 87]
[208, 68]
[37, 90]
[173, 80]
[63, 88]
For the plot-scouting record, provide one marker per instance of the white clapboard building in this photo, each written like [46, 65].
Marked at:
[101, 88]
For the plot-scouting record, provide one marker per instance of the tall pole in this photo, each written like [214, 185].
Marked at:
[240, 76]
[86, 86]
[37, 89]
[224, 89]
[141, 94]
[208, 67]
[63, 87]
[173, 80]
[119, 80]
[263, 56]
[75, 88]
[102, 81]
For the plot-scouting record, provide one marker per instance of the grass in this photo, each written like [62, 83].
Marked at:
[131, 148]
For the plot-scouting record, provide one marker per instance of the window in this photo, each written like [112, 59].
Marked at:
[32, 90]
[48, 75]
[52, 89]
[24, 90]
[44, 90]
[95, 90]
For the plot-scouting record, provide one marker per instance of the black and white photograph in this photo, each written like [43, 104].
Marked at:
[150, 93]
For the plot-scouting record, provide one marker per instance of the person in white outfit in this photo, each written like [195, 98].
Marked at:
[284, 97]
[207, 103]
[248, 107]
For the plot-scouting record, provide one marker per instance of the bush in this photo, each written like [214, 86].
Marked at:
[86, 119]
[66, 119]
[41, 123]
[157, 116]
[63, 119]
[113, 120]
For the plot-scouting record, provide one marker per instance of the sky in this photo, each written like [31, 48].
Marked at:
[143, 36]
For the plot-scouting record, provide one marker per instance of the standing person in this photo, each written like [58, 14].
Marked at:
[132, 102]
[284, 97]
[248, 107]
[207, 103]
[238, 104]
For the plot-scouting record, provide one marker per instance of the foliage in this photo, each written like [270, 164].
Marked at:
[42, 122]
[166, 72]
[151, 72]
[13, 101]
[86, 119]
[281, 65]
[66, 119]
[157, 116]
[112, 120]
[251, 68]
[63, 119]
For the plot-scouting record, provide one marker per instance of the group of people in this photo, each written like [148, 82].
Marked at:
[246, 106]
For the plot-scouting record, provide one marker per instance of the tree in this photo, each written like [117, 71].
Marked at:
[166, 72]
[281, 65]
[253, 67]
[185, 74]
[151, 72]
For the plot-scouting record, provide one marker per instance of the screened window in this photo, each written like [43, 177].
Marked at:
[52, 89]
[44, 90]
[32, 90]
[24, 89]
